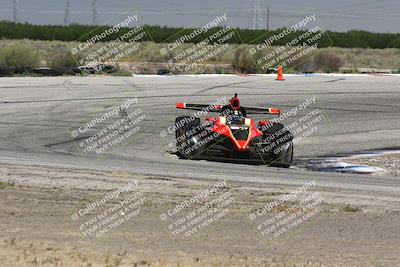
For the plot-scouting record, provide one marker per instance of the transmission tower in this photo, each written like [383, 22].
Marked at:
[257, 15]
[16, 9]
[94, 12]
[66, 17]
[267, 21]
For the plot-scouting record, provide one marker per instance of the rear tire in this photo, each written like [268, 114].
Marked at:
[183, 143]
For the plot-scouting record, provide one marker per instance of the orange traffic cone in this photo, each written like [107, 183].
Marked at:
[280, 74]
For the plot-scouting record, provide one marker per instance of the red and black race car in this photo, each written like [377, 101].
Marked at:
[231, 135]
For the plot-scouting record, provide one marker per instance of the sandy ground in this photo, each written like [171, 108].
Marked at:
[390, 163]
[38, 227]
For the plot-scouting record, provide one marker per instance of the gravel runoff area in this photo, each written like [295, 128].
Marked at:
[389, 163]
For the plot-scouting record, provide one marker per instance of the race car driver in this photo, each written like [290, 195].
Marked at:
[233, 111]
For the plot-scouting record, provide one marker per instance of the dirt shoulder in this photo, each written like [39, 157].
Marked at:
[46, 213]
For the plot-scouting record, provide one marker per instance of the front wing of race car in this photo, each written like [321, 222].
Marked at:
[243, 144]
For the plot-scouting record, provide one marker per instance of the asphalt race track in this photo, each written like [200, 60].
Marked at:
[361, 113]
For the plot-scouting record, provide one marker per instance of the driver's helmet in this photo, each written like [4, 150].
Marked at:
[236, 117]
[234, 102]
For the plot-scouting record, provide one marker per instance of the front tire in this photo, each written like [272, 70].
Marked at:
[284, 158]
[281, 142]
[183, 139]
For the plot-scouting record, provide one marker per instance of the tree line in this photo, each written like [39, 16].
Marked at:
[81, 33]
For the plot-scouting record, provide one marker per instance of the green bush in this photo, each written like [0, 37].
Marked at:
[327, 61]
[63, 59]
[243, 62]
[122, 73]
[350, 208]
[5, 185]
[350, 70]
[19, 57]
[303, 64]
[396, 71]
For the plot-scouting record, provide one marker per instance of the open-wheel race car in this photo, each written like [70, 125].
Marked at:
[231, 135]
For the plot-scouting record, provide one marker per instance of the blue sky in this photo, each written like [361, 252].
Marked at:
[339, 15]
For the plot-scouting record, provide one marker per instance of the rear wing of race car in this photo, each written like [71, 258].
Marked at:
[210, 108]
[218, 108]
[271, 111]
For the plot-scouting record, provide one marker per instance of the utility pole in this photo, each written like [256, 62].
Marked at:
[94, 12]
[267, 17]
[16, 8]
[66, 17]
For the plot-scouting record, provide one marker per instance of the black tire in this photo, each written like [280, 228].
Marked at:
[284, 158]
[7, 71]
[281, 140]
[47, 72]
[163, 72]
[87, 70]
[23, 70]
[183, 126]
[66, 71]
[75, 70]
